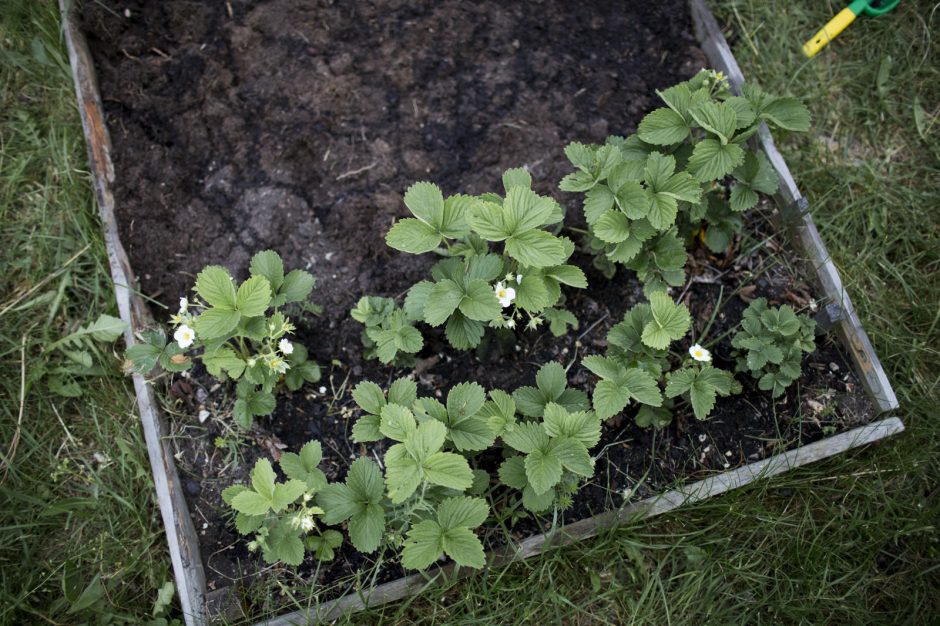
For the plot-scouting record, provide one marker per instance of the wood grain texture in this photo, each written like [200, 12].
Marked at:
[180, 533]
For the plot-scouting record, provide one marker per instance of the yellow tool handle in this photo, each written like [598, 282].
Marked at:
[835, 26]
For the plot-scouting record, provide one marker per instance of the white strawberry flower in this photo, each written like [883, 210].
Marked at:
[699, 353]
[184, 304]
[285, 346]
[184, 336]
[518, 279]
[504, 294]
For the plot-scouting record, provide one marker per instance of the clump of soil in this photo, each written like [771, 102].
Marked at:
[297, 125]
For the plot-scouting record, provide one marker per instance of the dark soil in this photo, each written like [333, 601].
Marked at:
[297, 125]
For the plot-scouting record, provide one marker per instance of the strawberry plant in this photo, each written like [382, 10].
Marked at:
[500, 254]
[648, 194]
[771, 343]
[390, 335]
[239, 332]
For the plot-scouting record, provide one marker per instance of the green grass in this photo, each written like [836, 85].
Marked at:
[76, 497]
[852, 540]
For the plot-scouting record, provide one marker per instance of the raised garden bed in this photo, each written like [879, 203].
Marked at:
[240, 128]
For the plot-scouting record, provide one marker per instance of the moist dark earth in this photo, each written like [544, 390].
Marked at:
[296, 126]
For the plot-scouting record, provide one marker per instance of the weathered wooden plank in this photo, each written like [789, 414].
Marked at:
[180, 533]
[794, 210]
[584, 529]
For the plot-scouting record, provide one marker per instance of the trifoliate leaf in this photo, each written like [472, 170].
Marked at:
[670, 322]
[711, 160]
[582, 426]
[663, 127]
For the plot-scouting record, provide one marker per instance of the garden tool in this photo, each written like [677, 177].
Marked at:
[871, 8]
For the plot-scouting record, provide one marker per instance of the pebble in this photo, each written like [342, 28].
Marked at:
[203, 416]
[834, 367]
[322, 389]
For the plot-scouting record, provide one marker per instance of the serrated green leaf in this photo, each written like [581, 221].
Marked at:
[573, 456]
[711, 160]
[417, 298]
[596, 201]
[633, 200]
[251, 503]
[442, 302]
[426, 202]
[413, 236]
[462, 511]
[369, 397]
[512, 472]
[543, 470]
[609, 398]
[717, 118]
[570, 275]
[537, 502]
[214, 323]
[479, 302]
[262, 478]
[742, 197]
[536, 248]
[287, 493]
[296, 287]
[463, 333]
[253, 296]
[663, 127]
[577, 181]
[448, 470]
[268, 264]
[670, 321]
[613, 227]
[465, 400]
[526, 437]
[214, 285]
[516, 177]
[397, 422]
[462, 545]
[423, 546]
[787, 113]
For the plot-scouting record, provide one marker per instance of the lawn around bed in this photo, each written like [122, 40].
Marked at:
[848, 540]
